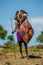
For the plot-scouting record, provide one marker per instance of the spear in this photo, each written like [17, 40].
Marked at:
[13, 37]
[11, 24]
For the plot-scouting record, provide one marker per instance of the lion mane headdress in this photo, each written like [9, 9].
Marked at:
[21, 12]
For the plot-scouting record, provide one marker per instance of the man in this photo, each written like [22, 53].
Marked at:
[20, 17]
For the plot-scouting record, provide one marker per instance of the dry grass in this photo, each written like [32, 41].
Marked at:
[35, 57]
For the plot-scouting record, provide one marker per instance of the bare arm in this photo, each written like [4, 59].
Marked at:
[14, 29]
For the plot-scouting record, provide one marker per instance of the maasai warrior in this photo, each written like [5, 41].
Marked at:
[20, 17]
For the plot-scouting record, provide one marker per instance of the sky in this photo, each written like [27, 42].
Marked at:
[34, 8]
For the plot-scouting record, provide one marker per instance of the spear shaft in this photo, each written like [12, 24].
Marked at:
[13, 37]
[11, 25]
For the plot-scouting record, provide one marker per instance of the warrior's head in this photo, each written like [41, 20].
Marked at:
[21, 15]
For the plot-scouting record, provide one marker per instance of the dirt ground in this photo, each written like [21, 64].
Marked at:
[10, 59]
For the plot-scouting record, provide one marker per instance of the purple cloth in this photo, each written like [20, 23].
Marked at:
[19, 36]
[19, 24]
[18, 33]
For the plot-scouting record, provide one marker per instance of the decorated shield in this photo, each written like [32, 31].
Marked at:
[26, 31]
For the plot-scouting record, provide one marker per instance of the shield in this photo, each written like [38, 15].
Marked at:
[26, 31]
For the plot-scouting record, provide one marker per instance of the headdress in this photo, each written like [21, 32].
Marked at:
[21, 12]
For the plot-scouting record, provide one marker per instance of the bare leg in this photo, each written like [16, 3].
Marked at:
[26, 49]
[20, 48]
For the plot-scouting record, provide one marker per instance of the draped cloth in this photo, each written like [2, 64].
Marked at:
[25, 31]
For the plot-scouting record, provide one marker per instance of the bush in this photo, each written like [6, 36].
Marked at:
[40, 46]
[35, 50]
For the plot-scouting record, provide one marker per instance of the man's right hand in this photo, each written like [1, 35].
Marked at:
[12, 32]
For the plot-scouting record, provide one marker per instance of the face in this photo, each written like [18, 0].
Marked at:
[20, 15]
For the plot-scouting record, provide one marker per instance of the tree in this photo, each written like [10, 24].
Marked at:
[10, 38]
[42, 32]
[1, 28]
[40, 37]
[3, 32]
[7, 44]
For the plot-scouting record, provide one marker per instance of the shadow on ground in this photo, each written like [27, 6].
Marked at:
[32, 56]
